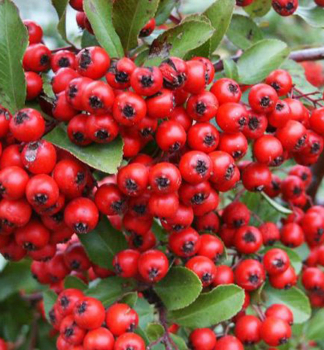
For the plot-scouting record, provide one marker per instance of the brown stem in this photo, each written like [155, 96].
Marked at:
[169, 343]
[68, 48]
[174, 19]
[318, 174]
[298, 56]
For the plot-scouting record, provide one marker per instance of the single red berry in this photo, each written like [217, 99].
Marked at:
[275, 331]
[249, 274]
[174, 72]
[256, 177]
[27, 125]
[147, 30]
[236, 215]
[146, 81]
[229, 342]
[185, 243]
[121, 318]
[276, 261]
[164, 178]
[89, 313]
[62, 110]
[37, 58]
[77, 4]
[292, 235]
[203, 137]
[62, 78]
[81, 215]
[204, 268]
[34, 85]
[268, 150]
[32, 236]
[263, 98]
[202, 107]
[195, 167]
[75, 90]
[234, 144]
[285, 7]
[119, 73]
[35, 31]
[255, 126]
[129, 341]
[93, 62]
[231, 117]
[280, 311]
[293, 136]
[202, 339]
[210, 69]
[196, 77]
[161, 104]
[281, 81]
[13, 182]
[76, 258]
[71, 332]
[284, 280]
[132, 179]
[247, 330]
[281, 114]
[248, 240]
[125, 263]
[226, 90]
[270, 233]
[153, 265]
[98, 339]
[171, 136]
[225, 275]
[313, 279]
[66, 301]
[63, 59]
[211, 247]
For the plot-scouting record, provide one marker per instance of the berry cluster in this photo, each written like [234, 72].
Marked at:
[282, 7]
[201, 131]
[83, 323]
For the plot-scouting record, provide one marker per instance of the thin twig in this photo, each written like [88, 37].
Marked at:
[169, 343]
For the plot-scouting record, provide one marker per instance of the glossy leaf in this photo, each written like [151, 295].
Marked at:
[103, 243]
[75, 283]
[129, 17]
[105, 158]
[210, 308]
[294, 298]
[99, 13]
[313, 15]
[243, 32]
[261, 59]
[49, 298]
[13, 43]
[258, 8]
[60, 7]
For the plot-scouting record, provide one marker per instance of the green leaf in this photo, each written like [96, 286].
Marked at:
[314, 328]
[130, 299]
[49, 298]
[276, 205]
[297, 73]
[129, 17]
[60, 7]
[261, 59]
[219, 14]
[258, 8]
[106, 158]
[47, 86]
[99, 13]
[179, 342]
[13, 43]
[164, 10]
[230, 69]
[243, 32]
[219, 305]
[294, 258]
[75, 283]
[179, 288]
[314, 15]
[16, 276]
[145, 312]
[179, 40]
[294, 298]
[154, 331]
[88, 39]
[103, 243]
[110, 289]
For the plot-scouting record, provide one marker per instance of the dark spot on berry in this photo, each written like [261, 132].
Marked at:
[175, 147]
[64, 302]
[301, 142]
[118, 206]
[118, 269]
[40, 198]
[177, 227]
[162, 182]
[275, 185]
[238, 223]
[188, 247]
[279, 107]
[81, 308]
[121, 77]
[5, 113]
[2, 189]
[146, 132]
[95, 102]
[249, 237]
[207, 277]
[237, 154]
[147, 81]
[265, 101]
[80, 178]
[229, 172]
[153, 273]
[253, 123]
[131, 185]
[102, 134]
[73, 90]
[315, 147]
[275, 85]
[64, 62]
[200, 108]
[29, 246]
[131, 327]
[85, 59]
[140, 209]
[297, 190]
[137, 240]
[254, 279]
[128, 111]
[21, 117]
[233, 88]
[242, 122]
[75, 264]
[78, 136]
[201, 167]
[80, 227]
[198, 198]
[68, 332]
[209, 140]
[278, 263]
[44, 60]
[283, 340]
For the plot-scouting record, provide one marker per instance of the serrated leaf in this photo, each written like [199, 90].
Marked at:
[99, 13]
[75, 283]
[110, 289]
[88, 39]
[314, 328]
[243, 32]
[129, 17]
[179, 40]
[49, 298]
[281, 209]
[106, 158]
[261, 59]
[145, 312]
[60, 7]
[258, 8]
[154, 331]
[313, 15]
[222, 303]
[179, 342]
[103, 243]
[219, 14]
[164, 10]
[294, 258]
[47, 86]
[230, 69]
[13, 43]
[294, 298]
[179, 288]
[130, 299]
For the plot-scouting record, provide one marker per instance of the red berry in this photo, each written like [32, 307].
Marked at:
[247, 330]
[89, 313]
[202, 107]
[34, 85]
[119, 73]
[93, 62]
[35, 31]
[153, 265]
[204, 268]
[146, 81]
[231, 117]
[276, 261]
[263, 98]
[229, 342]
[280, 311]
[256, 177]
[170, 136]
[37, 58]
[248, 240]
[174, 72]
[285, 7]
[226, 90]
[121, 318]
[275, 331]
[202, 339]
[125, 263]
[281, 81]
[129, 341]
[148, 28]
[249, 274]
[98, 339]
